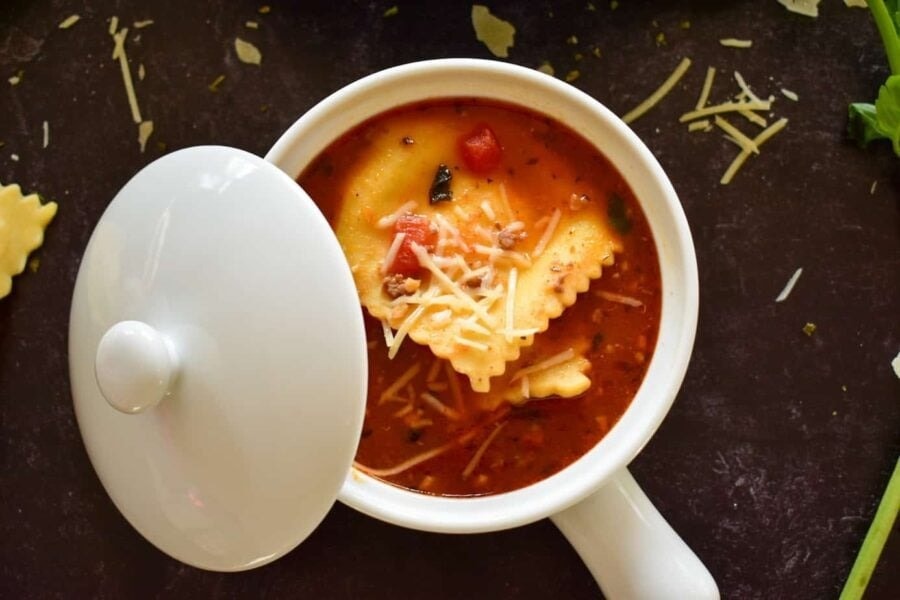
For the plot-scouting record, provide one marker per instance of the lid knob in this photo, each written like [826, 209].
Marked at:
[135, 365]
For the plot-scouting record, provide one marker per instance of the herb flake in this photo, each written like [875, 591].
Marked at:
[618, 215]
[440, 187]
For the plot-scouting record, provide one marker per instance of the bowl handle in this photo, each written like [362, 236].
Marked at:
[629, 547]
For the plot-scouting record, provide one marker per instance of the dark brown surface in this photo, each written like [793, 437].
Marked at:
[773, 458]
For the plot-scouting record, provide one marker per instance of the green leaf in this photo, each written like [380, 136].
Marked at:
[887, 110]
[618, 215]
[887, 106]
[863, 125]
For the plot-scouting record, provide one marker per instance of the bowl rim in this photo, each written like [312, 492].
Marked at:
[537, 92]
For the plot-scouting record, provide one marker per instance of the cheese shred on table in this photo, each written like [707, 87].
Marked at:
[737, 135]
[746, 104]
[739, 160]
[660, 93]
[735, 43]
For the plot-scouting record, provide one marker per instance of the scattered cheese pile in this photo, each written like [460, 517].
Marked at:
[498, 35]
[145, 128]
[22, 223]
[745, 104]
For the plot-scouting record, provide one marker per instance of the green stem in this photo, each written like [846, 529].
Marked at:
[885, 24]
[875, 540]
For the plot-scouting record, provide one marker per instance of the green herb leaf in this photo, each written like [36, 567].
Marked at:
[617, 214]
[863, 124]
[887, 110]
[882, 120]
[440, 188]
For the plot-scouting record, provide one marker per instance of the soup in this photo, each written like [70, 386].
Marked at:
[511, 290]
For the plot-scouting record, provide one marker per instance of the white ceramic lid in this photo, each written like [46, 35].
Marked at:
[217, 358]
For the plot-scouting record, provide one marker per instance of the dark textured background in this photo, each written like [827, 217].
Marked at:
[770, 464]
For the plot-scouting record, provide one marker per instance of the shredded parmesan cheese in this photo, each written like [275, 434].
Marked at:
[251, 25]
[113, 25]
[404, 411]
[432, 401]
[448, 284]
[142, 24]
[789, 286]
[724, 108]
[488, 210]
[141, 72]
[471, 344]
[455, 390]
[69, 21]
[735, 43]
[404, 329]
[758, 140]
[619, 298]
[433, 370]
[895, 364]
[548, 233]
[119, 53]
[389, 220]
[554, 360]
[701, 125]
[737, 135]
[789, 94]
[46, 128]
[392, 252]
[388, 334]
[407, 464]
[746, 88]
[707, 87]
[399, 383]
[660, 93]
[476, 458]
[753, 117]
[511, 302]
[145, 130]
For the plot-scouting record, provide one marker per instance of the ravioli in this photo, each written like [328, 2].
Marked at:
[504, 263]
[22, 223]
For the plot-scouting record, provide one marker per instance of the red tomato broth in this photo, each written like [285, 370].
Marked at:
[541, 436]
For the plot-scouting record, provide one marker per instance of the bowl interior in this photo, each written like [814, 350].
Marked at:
[455, 78]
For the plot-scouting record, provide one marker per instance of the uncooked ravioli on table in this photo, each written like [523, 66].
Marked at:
[470, 229]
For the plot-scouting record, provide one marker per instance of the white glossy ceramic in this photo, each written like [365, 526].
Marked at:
[626, 543]
[209, 293]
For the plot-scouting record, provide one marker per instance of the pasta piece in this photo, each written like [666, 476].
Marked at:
[513, 286]
[22, 223]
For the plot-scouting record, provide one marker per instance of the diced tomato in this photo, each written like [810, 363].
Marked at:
[417, 229]
[480, 149]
